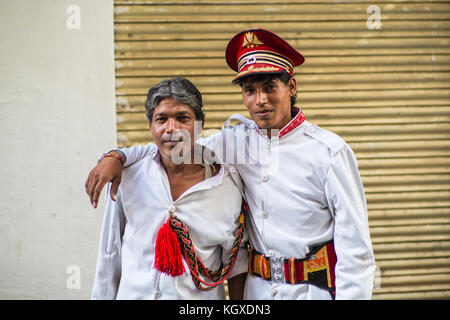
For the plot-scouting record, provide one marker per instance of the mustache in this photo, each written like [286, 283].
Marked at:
[176, 136]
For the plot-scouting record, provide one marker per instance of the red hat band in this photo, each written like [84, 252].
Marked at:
[265, 57]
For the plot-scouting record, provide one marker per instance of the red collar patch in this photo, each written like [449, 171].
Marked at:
[294, 123]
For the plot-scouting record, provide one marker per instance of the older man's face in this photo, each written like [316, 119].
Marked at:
[172, 127]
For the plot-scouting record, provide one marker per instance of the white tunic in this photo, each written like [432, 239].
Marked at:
[303, 189]
[210, 210]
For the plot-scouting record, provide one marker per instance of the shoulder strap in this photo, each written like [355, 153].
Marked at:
[238, 117]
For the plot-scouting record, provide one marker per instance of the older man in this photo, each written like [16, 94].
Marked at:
[173, 215]
[308, 225]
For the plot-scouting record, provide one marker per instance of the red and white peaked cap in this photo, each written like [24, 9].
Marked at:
[257, 50]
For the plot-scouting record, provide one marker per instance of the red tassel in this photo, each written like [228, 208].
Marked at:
[168, 257]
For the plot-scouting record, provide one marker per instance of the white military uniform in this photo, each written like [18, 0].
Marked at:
[210, 210]
[303, 188]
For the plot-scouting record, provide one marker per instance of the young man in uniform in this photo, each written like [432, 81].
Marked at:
[162, 225]
[308, 222]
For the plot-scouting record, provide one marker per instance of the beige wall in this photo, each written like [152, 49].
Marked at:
[57, 112]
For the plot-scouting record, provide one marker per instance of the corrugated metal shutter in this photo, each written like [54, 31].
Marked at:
[386, 92]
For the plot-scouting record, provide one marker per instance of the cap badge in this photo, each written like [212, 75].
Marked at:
[251, 40]
[251, 60]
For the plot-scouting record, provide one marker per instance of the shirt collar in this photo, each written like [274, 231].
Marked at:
[157, 157]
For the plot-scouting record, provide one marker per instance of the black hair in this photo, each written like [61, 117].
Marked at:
[180, 89]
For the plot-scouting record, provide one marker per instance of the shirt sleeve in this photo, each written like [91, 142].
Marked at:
[109, 261]
[355, 266]
[135, 153]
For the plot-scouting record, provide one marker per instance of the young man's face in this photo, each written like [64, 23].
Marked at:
[172, 127]
[269, 101]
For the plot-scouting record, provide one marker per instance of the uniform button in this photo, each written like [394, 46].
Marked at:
[172, 208]
[232, 170]
[264, 214]
[265, 178]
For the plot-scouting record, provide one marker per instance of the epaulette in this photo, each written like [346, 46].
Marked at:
[330, 139]
[245, 121]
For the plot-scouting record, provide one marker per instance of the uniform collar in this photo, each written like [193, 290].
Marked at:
[298, 119]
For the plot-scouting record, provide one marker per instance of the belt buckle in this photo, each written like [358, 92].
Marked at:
[276, 269]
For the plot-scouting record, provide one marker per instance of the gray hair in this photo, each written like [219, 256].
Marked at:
[180, 89]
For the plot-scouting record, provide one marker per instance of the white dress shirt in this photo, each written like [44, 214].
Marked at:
[210, 210]
[303, 189]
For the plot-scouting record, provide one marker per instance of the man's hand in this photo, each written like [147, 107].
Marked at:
[107, 170]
